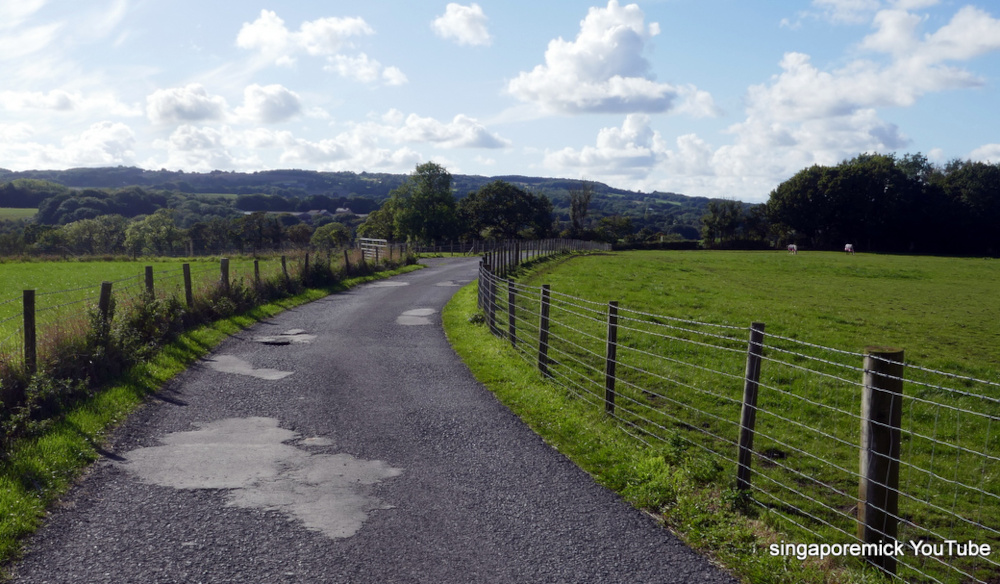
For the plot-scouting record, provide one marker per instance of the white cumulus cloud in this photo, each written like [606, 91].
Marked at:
[363, 68]
[461, 132]
[603, 70]
[269, 104]
[191, 103]
[632, 151]
[331, 38]
[466, 25]
[986, 153]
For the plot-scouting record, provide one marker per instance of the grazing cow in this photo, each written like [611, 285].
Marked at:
[849, 248]
[792, 248]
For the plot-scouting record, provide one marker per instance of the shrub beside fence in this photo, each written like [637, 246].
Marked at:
[843, 447]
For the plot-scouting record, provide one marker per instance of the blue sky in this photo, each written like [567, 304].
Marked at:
[702, 97]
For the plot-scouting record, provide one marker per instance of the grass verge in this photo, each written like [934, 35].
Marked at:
[682, 487]
[38, 470]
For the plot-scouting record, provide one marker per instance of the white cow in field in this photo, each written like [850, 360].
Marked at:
[849, 248]
[793, 249]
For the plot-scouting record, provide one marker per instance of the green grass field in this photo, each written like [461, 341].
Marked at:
[943, 311]
[11, 213]
[682, 381]
[66, 289]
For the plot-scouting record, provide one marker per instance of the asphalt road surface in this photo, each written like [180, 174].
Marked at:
[344, 441]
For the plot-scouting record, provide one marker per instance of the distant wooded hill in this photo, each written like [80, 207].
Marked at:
[657, 212]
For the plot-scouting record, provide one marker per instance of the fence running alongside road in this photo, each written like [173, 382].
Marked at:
[823, 432]
[31, 321]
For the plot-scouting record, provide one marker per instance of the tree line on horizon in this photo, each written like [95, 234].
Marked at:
[423, 208]
[877, 202]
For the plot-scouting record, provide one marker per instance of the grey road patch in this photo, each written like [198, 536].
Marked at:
[289, 337]
[388, 284]
[416, 317]
[250, 459]
[235, 365]
[452, 283]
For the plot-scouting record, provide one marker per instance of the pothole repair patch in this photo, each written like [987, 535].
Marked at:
[237, 366]
[252, 460]
[388, 284]
[417, 316]
[293, 336]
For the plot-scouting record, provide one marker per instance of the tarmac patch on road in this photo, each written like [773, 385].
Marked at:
[235, 365]
[252, 460]
[388, 284]
[289, 337]
[416, 317]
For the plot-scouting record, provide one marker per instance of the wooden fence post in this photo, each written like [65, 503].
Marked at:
[224, 276]
[188, 291]
[491, 300]
[149, 281]
[284, 268]
[748, 414]
[543, 332]
[305, 270]
[256, 273]
[511, 313]
[104, 302]
[30, 337]
[480, 284]
[881, 417]
[611, 354]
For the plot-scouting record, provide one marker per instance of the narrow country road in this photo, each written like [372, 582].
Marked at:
[344, 441]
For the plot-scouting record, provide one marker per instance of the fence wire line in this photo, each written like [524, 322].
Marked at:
[574, 366]
[677, 328]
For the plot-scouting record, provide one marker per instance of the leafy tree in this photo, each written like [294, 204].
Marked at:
[500, 210]
[330, 236]
[380, 223]
[422, 208]
[723, 222]
[299, 234]
[154, 234]
[615, 228]
[260, 231]
[974, 190]
[579, 205]
[798, 209]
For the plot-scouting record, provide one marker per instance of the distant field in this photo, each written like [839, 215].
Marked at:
[14, 213]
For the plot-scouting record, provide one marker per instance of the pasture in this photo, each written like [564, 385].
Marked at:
[943, 311]
[681, 346]
[12, 213]
[65, 290]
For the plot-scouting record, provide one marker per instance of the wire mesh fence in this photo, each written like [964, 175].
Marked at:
[664, 379]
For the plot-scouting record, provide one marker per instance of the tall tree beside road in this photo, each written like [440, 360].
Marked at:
[500, 210]
[421, 209]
